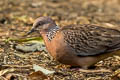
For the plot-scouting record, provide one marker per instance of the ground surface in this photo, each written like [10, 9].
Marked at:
[17, 17]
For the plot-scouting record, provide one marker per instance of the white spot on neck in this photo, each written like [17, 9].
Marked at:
[50, 35]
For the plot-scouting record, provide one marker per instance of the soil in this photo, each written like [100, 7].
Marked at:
[17, 17]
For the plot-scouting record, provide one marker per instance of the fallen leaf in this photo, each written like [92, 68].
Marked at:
[38, 75]
[45, 71]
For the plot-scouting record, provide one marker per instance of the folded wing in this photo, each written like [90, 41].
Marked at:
[88, 40]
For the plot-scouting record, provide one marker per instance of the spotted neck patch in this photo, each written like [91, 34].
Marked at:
[51, 34]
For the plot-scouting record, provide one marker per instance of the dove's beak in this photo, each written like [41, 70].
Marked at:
[31, 31]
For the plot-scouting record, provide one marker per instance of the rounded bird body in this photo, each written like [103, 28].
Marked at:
[78, 45]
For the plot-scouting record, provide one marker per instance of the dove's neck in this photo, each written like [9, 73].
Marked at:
[52, 32]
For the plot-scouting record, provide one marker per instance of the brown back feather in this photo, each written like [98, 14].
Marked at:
[90, 39]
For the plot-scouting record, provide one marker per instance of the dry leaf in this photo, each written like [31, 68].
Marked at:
[37, 76]
[45, 71]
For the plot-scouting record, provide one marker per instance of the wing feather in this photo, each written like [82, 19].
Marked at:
[90, 39]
